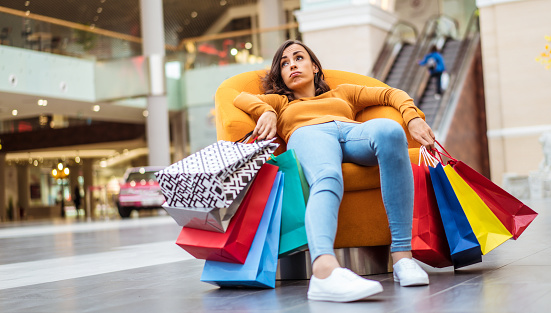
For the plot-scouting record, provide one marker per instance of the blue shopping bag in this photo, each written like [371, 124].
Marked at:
[259, 270]
[464, 247]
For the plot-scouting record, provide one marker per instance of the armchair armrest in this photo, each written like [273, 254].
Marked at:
[231, 123]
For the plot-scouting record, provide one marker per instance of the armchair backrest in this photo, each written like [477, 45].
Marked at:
[232, 123]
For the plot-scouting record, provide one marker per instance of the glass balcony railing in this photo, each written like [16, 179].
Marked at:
[251, 46]
[46, 34]
[65, 38]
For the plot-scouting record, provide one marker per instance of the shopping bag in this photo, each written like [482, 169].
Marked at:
[213, 219]
[486, 226]
[295, 196]
[210, 178]
[512, 213]
[429, 243]
[464, 247]
[233, 245]
[260, 267]
[444, 80]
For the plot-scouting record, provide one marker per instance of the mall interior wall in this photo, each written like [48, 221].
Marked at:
[516, 86]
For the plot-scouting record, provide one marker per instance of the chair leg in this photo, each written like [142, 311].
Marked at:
[362, 260]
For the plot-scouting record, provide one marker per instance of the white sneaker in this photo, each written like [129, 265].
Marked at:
[342, 285]
[408, 273]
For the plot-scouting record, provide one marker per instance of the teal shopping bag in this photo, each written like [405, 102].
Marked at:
[259, 270]
[295, 196]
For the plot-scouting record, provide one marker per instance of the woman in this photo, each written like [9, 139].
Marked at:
[318, 123]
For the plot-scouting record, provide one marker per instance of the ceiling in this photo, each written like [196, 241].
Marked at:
[27, 107]
[188, 18]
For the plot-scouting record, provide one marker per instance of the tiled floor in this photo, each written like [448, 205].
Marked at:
[134, 266]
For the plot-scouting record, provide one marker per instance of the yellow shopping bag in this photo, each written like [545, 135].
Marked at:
[488, 229]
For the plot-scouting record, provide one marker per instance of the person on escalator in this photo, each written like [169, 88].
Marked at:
[435, 64]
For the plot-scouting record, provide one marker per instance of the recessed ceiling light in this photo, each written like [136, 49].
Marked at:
[96, 108]
[14, 112]
[42, 102]
[194, 14]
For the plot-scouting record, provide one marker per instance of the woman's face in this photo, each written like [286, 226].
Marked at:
[297, 71]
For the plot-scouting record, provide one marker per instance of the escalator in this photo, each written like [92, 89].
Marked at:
[428, 102]
[399, 66]
[458, 118]
[395, 55]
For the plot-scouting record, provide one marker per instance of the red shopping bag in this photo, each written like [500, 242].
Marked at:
[429, 243]
[233, 245]
[510, 211]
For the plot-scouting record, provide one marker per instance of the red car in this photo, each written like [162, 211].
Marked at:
[139, 190]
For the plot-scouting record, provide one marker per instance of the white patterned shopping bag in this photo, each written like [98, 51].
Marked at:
[218, 219]
[213, 177]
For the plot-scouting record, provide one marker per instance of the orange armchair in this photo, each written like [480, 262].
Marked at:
[362, 217]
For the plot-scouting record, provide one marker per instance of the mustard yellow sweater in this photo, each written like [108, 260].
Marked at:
[339, 104]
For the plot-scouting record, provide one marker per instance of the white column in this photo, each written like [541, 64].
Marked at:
[270, 14]
[153, 45]
[345, 35]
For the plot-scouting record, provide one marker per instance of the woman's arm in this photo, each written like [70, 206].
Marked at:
[419, 130]
[361, 97]
[262, 108]
[424, 60]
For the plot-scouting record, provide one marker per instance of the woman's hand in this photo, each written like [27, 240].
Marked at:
[421, 132]
[266, 126]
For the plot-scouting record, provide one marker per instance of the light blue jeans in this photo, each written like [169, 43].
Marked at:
[321, 150]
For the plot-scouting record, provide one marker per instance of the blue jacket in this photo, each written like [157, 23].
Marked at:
[438, 59]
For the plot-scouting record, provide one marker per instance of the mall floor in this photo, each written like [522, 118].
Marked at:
[134, 266]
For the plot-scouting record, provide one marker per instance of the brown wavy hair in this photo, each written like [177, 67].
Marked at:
[273, 83]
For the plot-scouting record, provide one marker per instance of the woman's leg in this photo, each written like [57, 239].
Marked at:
[383, 142]
[319, 152]
[317, 148]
